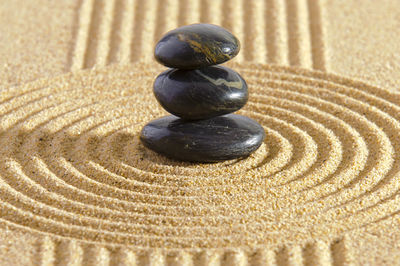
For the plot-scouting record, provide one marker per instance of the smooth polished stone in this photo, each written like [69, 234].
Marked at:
[212, 140]
[201, 93]
[195, 46]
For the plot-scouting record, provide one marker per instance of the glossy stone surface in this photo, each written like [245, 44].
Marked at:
[197, 45]
[216, 139]
[201, 93]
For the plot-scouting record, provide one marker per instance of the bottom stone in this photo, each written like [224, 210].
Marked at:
[211, 140]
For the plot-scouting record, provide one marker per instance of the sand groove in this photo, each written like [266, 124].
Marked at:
[165, 11]
[126, 32]
[317, 32]
[94, 37]
[211, 11]
[233, 15]
[115, 31]
[189, 12]
[254, 26]
[298, 33]
[286, 32]
[73, 167]
[276, 37]
[67, 252]
[82, 38]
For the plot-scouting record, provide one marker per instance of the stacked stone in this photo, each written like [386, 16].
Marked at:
[201, 96]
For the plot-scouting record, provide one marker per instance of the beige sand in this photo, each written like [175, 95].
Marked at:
[77, 187]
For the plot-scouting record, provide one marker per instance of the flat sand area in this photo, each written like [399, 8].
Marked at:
[78, 188]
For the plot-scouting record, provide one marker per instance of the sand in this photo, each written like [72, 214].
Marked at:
[78, 187]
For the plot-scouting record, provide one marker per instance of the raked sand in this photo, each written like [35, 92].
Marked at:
[78, 187]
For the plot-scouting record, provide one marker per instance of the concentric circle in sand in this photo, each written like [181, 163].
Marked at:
[72, 164]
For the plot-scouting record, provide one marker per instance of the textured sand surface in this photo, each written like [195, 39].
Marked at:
[78, 188]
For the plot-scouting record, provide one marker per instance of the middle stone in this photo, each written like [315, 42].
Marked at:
[201, 93]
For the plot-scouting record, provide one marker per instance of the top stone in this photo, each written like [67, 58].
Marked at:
[196, 46]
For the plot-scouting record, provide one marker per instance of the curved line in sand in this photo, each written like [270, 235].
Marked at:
[324, 179]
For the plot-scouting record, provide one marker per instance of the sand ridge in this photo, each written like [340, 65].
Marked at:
[74, 166]
[322, 189]
[291, 33]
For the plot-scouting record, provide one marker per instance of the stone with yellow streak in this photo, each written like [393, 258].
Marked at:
[196, 46]
[201, 93]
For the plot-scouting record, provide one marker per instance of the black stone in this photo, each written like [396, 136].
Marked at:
[216, 139]
[197, 45]
[201, 93]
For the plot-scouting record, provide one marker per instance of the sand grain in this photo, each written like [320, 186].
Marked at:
[77, 187]
[74, 167]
